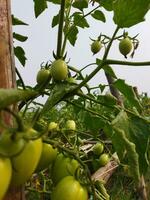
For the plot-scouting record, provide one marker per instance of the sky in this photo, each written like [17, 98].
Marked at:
[42, 41]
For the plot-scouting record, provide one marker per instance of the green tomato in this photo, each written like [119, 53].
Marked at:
[53, 126]
[5, 175]
[98, 148]
[47, 157]
[63, 166]
[59, 70]
[42, 76]
[26, 162]
[10, 146]
[70, 125]
[69, 189]
[104, 159]
[96, 46]
[125, 46]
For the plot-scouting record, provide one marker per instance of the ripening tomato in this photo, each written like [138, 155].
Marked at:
[47, 157]
[26, 162]
[125, 46]
[53, 126]
[104, 159]
[5, 175]
[59, 70]
[69, 189]
[98, 148]
[43, 75]
[70, 125]
[96, 46]
[63, 166]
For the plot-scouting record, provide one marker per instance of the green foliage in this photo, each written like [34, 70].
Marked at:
[16, 21]
[128, 93]
[19, 37]
[20, 54]
[128, 13]
[72, 34]
[99, 15]
[39, 7]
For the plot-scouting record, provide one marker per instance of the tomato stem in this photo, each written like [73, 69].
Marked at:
[60, 29]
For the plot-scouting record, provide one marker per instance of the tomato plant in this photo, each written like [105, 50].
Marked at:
[5, 172]
[69, 188]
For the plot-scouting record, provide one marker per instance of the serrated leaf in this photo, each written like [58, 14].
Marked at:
[99, 15]
[128, 92]
[127, 13]
[80, 21]
[80, 4]
[16, 21]
[72, 34]
[137, 130]
[19, 37]
[107, 4]
[109, 71]
[20, 54]
[39, 7]
[55, 20]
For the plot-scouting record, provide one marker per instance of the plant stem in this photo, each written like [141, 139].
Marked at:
[60, 29]
[120, 62]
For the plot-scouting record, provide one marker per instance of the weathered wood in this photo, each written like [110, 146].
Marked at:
[7, 71]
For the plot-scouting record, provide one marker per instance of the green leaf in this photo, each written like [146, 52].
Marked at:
[55, 1]
[92, 122]
[137, 130]
[107, 4]
[80, 4]
[72, 34]
[12, 96]
[39, 7]
[99, 15]
[102, 87]
[80, 21]
[128, 92]
[107, 99]
[55, 20]
[16, 21]
[109, 71]
[19, 37]
[20, 54]
[127, 13]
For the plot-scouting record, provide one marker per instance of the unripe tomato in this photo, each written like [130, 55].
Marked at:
[125, 46]
[96, 46]
[98, 148]
[69, 189]
[63, 166]
[5, 175]
[47, 157]
[26, 162]
[104, 159]
[53, 126]
[9, 146]
[70, 125]
[59, 70]
[42, 76]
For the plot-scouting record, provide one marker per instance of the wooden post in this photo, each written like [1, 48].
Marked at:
[7, 71]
